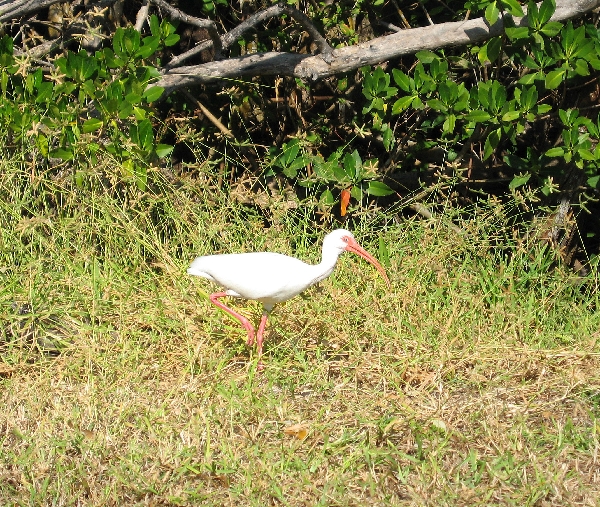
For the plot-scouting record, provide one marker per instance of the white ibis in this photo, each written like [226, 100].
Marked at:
[272, 278]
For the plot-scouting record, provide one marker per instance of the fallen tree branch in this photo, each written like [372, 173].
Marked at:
[225, 42]
[337, 61]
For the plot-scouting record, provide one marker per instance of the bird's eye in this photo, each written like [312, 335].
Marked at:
[345, 239]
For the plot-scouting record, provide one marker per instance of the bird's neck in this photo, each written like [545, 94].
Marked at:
[327, 265]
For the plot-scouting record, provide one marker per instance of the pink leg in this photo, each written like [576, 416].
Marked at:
[245, 322]
[259, 338]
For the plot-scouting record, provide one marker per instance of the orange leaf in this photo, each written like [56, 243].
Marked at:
[344, 200]
[300, 431]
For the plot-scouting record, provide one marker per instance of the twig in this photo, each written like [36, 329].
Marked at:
[426, 13]
[390, 26]
[141, 16]
[207, 24]
[271, 12]
[215, 121]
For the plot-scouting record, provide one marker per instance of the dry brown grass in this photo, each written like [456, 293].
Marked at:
[462, 385]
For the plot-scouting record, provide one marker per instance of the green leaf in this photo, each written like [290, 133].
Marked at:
[149, 48]
[388, 138]
[340, 174]
[327, 198]
[290, 152]
[141, 177]
[426, 56]
[163, 150]
[581, 67]
[323, 170]
[91, 125]
[494, 46]
[299, 163]
[352, 165]
[133, 98]
[449, 124]
[124, 109]
[491, 143]
[555, 152]
[143, 135]
[402, 80]
[545, 11]
[586, 154]
[521, 32]
[529, 79]
[492, 13]
[511, 116]
[529, 97]
[513, 8]
[357, 193]
[42, 144]
[402, 103]
[62, 153]
[593, 181]
[551, 29]
[153, 93]
[378, 189]
[131, 40]
[290, 171]
[498, 97]
[555, 78]
[543, 108]
[154, 25]
[519, 181]
[118, 46]
[478, 116]
[171, 40]
[437, 104]
[44, 93]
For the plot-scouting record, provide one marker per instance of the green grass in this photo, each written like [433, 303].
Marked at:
[472, 380]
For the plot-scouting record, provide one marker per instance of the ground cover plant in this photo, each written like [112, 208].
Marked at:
[471, 172]
[472, 380]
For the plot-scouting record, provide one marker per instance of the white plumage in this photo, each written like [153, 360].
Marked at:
[272, 278]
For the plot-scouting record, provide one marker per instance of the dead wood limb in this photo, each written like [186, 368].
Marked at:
[10, 10]
[141, 16]
[206, 24]
[211, 117]
[227, 40]
[340, 60]
[275, 11]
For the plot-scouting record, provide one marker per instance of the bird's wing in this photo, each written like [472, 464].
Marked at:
[263, 276]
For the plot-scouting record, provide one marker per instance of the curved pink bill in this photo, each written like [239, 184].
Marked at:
[354, 247]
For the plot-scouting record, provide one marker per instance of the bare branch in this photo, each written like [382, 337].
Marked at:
[10, 10]
[272, 12]
[316, 67]
[259, 64]
[260, 17]
[141, 16]
[207, 24]
[13, 9]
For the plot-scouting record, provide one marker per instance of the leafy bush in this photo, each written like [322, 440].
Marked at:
[87, 103]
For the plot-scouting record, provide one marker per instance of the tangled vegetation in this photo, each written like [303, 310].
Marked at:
[513, 114]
